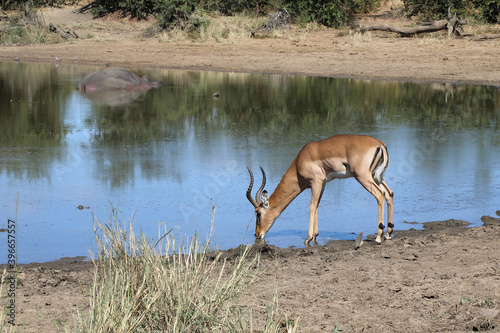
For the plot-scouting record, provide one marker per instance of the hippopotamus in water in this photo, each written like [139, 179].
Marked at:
[116, 79]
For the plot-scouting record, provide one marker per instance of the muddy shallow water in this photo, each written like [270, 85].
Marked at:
[173, 155]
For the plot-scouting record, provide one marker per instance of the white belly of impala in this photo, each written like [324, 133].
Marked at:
[338, 175]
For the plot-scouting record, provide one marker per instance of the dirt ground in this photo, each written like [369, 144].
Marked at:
[442, 279]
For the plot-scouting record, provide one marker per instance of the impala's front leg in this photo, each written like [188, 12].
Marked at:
[313, 231]
[316, 193]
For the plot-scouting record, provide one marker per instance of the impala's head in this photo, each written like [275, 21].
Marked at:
[261, 204]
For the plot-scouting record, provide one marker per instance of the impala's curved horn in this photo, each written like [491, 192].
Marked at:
[259, 192]
[249, 190]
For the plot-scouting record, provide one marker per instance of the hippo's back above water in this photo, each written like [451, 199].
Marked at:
[114, 79]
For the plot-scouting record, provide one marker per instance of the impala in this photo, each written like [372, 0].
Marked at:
[340, 156]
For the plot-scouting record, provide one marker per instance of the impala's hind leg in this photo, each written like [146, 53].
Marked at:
[389, 195]
[371, 186]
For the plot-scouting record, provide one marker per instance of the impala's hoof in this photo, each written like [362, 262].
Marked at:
[307, 242]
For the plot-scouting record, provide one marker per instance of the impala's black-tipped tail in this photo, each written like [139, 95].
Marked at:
[379, 164]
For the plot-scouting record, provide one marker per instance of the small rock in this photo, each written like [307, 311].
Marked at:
[411, 257]
[488, 220]
[429, 295]
[63, 283]
[394, 289]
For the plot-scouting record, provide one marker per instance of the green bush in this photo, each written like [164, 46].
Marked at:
[136, 8]
[329, 13]
[176, 13]
[366, 6]
[102, 8]
[20, 4]
[170, 10]
[249, 7]
[489, 10]
[189, 14]
[427, 10]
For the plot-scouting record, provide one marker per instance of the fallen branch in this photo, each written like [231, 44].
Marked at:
[484, 37]
[451, 24]
[64, 34]
[408, 31]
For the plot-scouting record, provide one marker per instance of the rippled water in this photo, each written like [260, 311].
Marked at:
[173, 154]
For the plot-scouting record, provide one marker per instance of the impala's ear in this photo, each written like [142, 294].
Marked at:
[264, 199]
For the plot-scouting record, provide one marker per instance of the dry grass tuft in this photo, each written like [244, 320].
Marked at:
[221, 29]
[164, 286]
